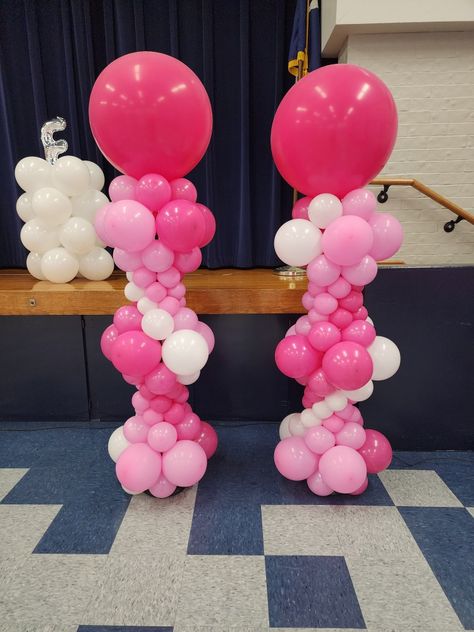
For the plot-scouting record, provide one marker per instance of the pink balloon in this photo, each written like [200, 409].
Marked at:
[151, 417]
[207, 334]
[346, 240]
[360, 202]
[127, 318]
[376, 451]
[127, 261]
[314, 289]
[307, 301]
[210, 223]
[351, 435]
[156, 292]
[352, 301]
[342, 318]
[140, 403]
[183, 189]
[360, 331]
[319, 384]
[294, 460]
[339, 288]
[142, 123]
[347, 412]
[147, 394]
[388, 235]
[169, 278]
[180, 225]
[138, 467]
[162, 436]
[161, 404]
[122, 188]
[161, 380]
[135, 429]
[99, 222]
[135, 353]
[291, 331]
[334, 130]
[347, 365]
[188, 261]
[130, 379]
[189, 427]
[185, 464]
[315, 317]
[333, 423]
[170, 304]
[157, 256]
[318, 486]
[185, 318]
[207, 439]
[143, 277]
[153, 191]
[175, 414]
[303, 326]
[361, 313]
[108, 339]
[325, 303]
[300, 208]
[361, 489]
[343, 469]
[129, 225]
[322, 271]
[162, 488]
[319, 439]
[323, 335]
[361, 273]
[295, 357]
[178, 291]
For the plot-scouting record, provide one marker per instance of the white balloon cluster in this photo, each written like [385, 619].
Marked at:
[58, 207]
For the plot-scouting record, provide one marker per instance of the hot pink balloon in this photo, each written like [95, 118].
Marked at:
[319, 439]
[127, 261]
[347, 365]
[129, 225]
[343, 469]
[346, 240]
[360, 202]
[180, 225]
[108, 339]
[342, 318]
[388, 235]
[322, 271]
[207, 439]
[162, 436]
[161, 404]
[157, 256]
[295, 357]
[122, 188]
[352, 301]
[361, 273]
[183, 189]
[319, 383]
[127, 318]
[361, 489]
[138, 467]
[324, 335]
[156, 292]
[376, 451]
[207, 334]
[361, 313]
[161, 380]
[153, 191]
[135, 353]
[351, 435]
[210, 225]
[188, 261]
[318, 486]
[135, 429]
[294, 460]
[360, 331]
[189, 427]
[162, 488]
[175, 414]
[143, 123]
[185, 464]
[300, 208]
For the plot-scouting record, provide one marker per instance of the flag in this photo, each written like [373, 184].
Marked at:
[305, 46]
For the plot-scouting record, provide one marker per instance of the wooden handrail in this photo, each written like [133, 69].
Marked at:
[422, 188]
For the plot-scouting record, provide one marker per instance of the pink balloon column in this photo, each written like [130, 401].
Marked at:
[151, 117]
[331, 134]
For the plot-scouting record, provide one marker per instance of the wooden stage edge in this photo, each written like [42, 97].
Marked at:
[224, 291]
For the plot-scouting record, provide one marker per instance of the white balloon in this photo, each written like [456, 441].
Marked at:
[295, 426]
[284, 430]
[71, 175]
[362, 393]
[309, 419]
[96, 175]
[185, 352]
[87, 204]
[323, 209]
[96, 265]
[129, 276]
[188, 379]
[157, 323]
[33, 263]
[386, 358]
[37, 236]
[117, 444]
[145, 305]
[51, 205]
[24, 208]
[322, 410]
[369, 320]
[59, 266]
[336, 401]
[297, 242]
[133, 292]
[77, 235]
[32, 173]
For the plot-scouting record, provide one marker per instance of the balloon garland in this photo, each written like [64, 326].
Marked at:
[152, 119]
[331, 134]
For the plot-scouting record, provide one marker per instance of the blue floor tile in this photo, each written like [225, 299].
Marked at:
[446, 539]
[311, 592]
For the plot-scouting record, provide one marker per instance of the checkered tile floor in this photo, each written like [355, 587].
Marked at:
[247, 551]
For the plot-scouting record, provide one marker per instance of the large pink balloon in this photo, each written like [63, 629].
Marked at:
[346, 240]
[343, 469]
[135, 353]
[295, 357]
[129, 225]
[376, 451]
[185, 464]
[138, 467]
[334, 130]
[347, 365]
[108, 339]
[149, 113]
[181, 225]
[294, 460]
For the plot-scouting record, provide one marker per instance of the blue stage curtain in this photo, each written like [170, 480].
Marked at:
[51, 52]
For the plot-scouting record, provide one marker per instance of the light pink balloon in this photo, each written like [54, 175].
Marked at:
[143, 277]
[360, 202]
[388, 235]
[162, 488]
[361, 489]
[161, 380]
[180, 225]
[99, 222]
[189, 427]
[153, 191]
[322, 271]
[169, 278]
[351, 435]
[343, 469]
[138, 467]
[156, 292]
[346, 240]
[178, 291]
[185, 464]
[347, 365]
[342, 318]
[162, 436]
[315, 317]
[361, 273]
[108, 339]
[207, 439]
[323, 335]
[318, 486]
[151, 417]
[339, 288]
[135, 429]
[325, 303]
[188, 261]
[314, 289]
[170, 305]
[183, 189]
[122, 188]
[140, 403]
[157, 256]
[127, 318]
[295, 357]
[207, 334]
[291, 331]
[333, 423]
[360, 331]
[135, 353]
[127, 261]
[300, 208]
[175, 414]
[129, 225]
[185, 318]
[319, 439]
[307, 301]
[294, 460]
[303, 325]
[347, 412]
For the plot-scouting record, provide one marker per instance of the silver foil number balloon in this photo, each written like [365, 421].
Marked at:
[53, 148]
